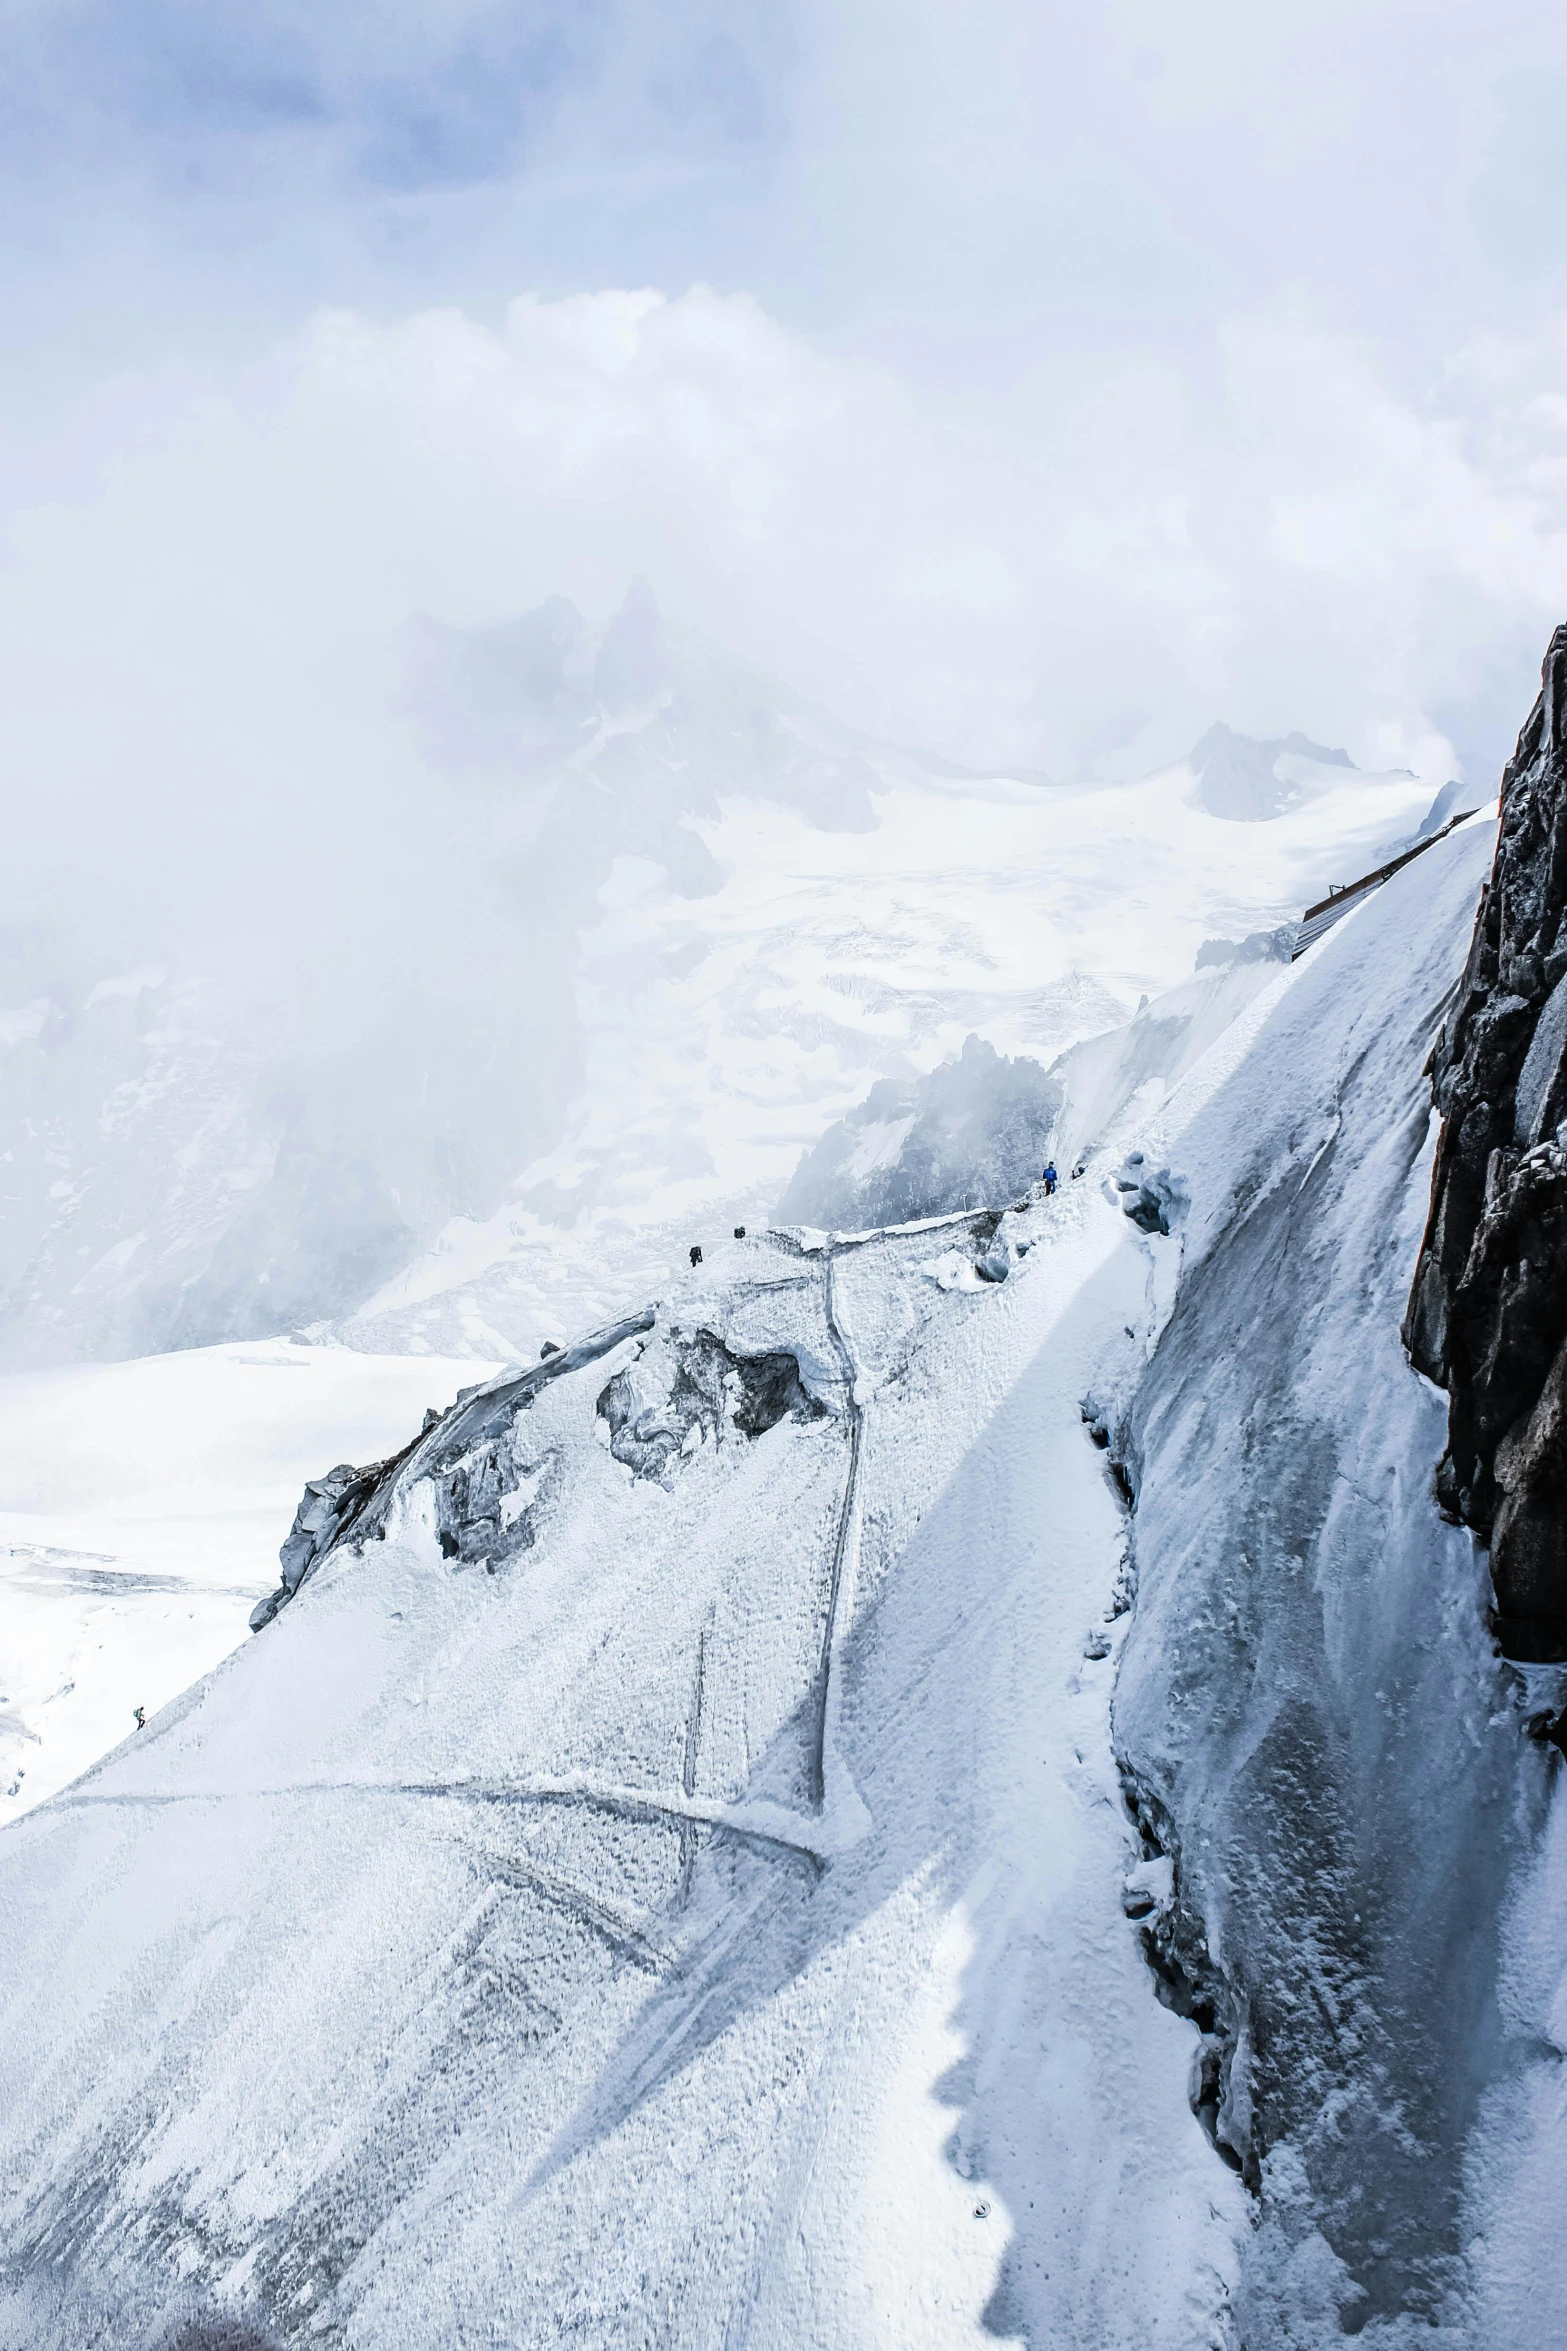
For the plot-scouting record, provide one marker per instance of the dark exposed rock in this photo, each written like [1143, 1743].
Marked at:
[687, 1388]
[1487, 1316]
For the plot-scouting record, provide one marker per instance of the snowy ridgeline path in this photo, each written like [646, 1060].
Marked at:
[706, 1930]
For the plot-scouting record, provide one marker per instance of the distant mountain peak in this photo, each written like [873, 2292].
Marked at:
[1238, 776]
[633, 660]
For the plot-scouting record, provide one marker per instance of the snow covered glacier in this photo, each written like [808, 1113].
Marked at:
[934, 1786]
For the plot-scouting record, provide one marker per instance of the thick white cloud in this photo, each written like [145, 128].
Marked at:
[1101, 371]
[1273, 533]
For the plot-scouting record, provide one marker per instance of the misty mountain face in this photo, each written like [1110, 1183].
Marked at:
[183, 1162]
[635, 727]
[1488, 1310]
[197, 1146]
[975, 1133]
[1246, 781]
[978, 1131]
[578, 938]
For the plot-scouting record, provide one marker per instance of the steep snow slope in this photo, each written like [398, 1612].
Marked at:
[1312, 1712]
[670, 1887]
[141, 1506]
[698, 1920]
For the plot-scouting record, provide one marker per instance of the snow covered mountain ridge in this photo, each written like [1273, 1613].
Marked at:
[731, 1697]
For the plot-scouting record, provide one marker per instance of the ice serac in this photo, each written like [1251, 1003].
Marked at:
[1487, 1316]
[1315, 1728]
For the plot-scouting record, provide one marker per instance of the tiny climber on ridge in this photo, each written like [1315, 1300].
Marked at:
[1050, 1179]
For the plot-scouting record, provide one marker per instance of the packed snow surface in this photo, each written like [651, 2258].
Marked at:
[708, 1926]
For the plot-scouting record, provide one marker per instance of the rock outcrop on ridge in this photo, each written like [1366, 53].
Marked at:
[1487, 1314]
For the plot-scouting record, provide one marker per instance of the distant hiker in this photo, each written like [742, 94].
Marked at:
[1050, 1179]
[696, 1253]
[739, 1232]
[141, 1718]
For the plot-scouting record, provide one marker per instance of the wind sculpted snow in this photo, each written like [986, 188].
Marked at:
[1310, 1710]
[706, 1928]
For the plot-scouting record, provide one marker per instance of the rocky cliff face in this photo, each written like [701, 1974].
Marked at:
[1487, 1314]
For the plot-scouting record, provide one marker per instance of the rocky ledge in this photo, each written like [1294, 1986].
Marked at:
[1487, 1316]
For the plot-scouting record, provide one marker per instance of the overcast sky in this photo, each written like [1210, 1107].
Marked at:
[1036, 382]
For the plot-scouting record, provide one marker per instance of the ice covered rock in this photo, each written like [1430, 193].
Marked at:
[473, 1459]
[327, 1509]
[686, 1388]
[1487, 1316]
[1155, 1198]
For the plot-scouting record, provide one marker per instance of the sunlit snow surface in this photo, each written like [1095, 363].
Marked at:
[708, 1927]
[141, 1508]
[669, 1938]
[724, 1034]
